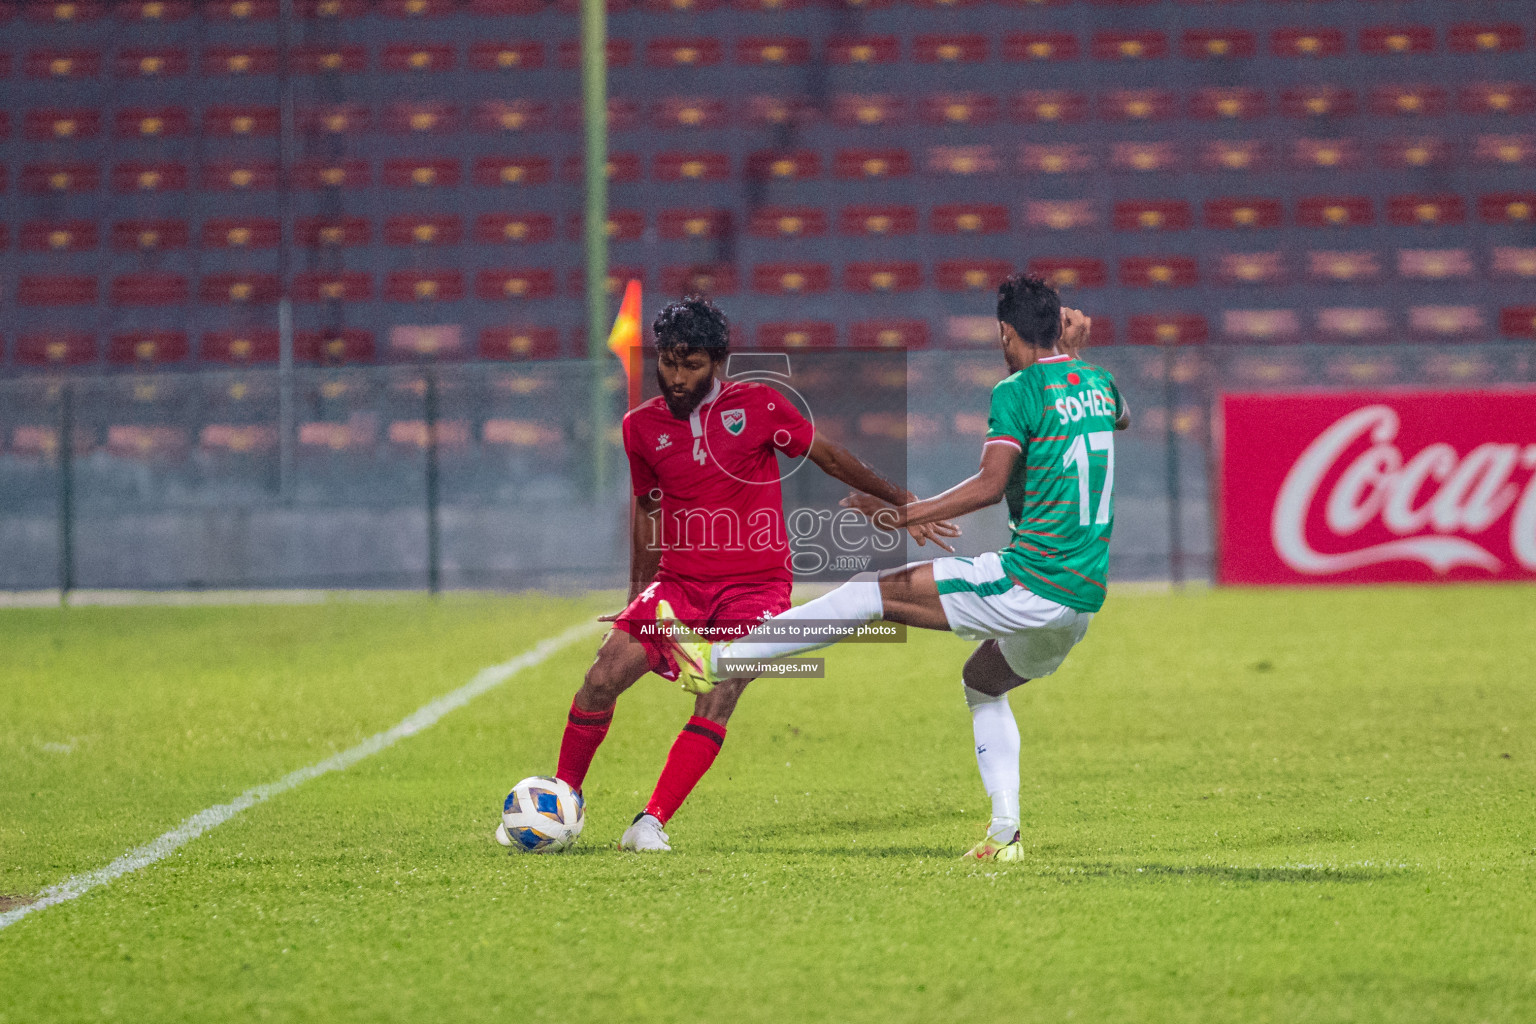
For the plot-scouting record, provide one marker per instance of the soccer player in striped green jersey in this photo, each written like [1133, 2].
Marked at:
[1050, 453]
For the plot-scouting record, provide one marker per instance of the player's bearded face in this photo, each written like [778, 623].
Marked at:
[684, 380]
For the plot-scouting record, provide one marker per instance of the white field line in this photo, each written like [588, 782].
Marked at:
[421, 719]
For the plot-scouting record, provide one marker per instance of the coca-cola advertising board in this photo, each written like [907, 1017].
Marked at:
[1378, 486]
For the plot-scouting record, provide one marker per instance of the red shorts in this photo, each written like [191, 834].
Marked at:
[717, 611]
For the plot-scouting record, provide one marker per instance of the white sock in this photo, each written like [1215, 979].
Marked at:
[997, 756]
[858, 600]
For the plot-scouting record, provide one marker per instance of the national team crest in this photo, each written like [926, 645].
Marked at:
[734, 421]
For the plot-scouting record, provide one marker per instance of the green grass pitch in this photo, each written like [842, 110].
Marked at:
[1241, 806]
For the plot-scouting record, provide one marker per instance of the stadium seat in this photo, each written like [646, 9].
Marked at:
[496, 228]
[1485, 37]
[141, 441]
[418, 9]
[1234, 155]
[499, 171]
[508, 116]
[414, 433]
[772, 51]
[63, 12]
[1507, 207]
[1167, 329]
[155, 11]
[963, 161]
[1152, 215]
[1027, 46]
[854, 110]
[1505, 150]
[152, 123]
[1382, 40]
[783, 165]
[1513, 263]
[332, 286]
[1408, 100]
[423, 285]
[1070, 272]
[1446, 323]
[699, 279]
[240, 233]
[684, 52]
[973, 275]
[1326, 154]
[57, 124]
[1518, 322]
[513, 55]
[333, 10]
[1352, 323]
[416, 343]
[1318, 101]
[219, 61]
[623, 115]
[1239, 213]
[618, 277]
[141, 348]
[1343, 266]
[1218, 44]
[1060, 214]
[1250, 268]
[55, 348]
[1423, 210]
[1307, 42]
[149, 289]
[687, 224]
[1260, 326]
[621, 53]
[1159, 271]
[787, 222]
[333, 232]
[256, 345]
[236, 288]
[796, 334]
[871, 163]
[623, 226]
[56, 290]
[223, 121]
[1435, 264]
[331, 347]
[865, 219]
[151, 62]
[968, 219]
[1120, 45]
[62, 64]
[1228, 104]
[958, 108]
[1335, 211]
[242, 11]
[1145, 157]
[243, 176]
[59, 236]
[863, 50]
[697, 166]
[425, 173]
[1049, 107]
[1421, 151]
[1515, 99]
[1057, 158]
[887, 276]
[516, 283]
[519, 342]
[539, 436]
[420, 118]
[899, 334]
[237, 438]
[791, 278]
[156, 235]
[950, 49]
[149, 176]
[1137, 105]
[315, 59]
[689, 112]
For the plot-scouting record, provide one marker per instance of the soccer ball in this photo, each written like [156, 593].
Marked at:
[541, 815]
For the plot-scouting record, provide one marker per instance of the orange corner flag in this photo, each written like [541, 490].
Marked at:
[624, 339]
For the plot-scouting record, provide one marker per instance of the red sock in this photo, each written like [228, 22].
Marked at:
[584, 732]
[691, 755]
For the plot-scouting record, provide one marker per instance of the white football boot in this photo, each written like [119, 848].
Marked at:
[644, 835]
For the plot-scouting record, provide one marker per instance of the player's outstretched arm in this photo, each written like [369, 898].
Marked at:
[644, 552]
[979, 491]
[841, 464]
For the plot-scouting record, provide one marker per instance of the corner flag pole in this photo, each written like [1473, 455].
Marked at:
[594, 98]
[624, 341]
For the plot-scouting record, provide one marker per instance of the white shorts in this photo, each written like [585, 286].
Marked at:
[982, 603]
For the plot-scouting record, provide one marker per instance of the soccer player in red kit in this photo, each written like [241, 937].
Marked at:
[707, 536]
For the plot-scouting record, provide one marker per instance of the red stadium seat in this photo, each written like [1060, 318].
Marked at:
[622, 168]
[950, 49]
[526, 283]
[334, 9]
[333, 347]
[1397, 39]
[419, 57]
[614, 284]
[56, 290]
[155, 11]
[1408, 100]
[863, 49]
[682, 225]
[315, 59]
[784, 165]
[438, 173]
[623, 114]
[1145, 157]
[1260, 326]
[149, 235]
[493, 228]
[1435, 264]
[240, 176]
[1511, 263]
[688, 112]
[791, 278]
[416, 9]
[853, 110]
[958, 108]
[333, 232]
[241, 10]
[1116, 45]
[1159, 272]
[772, 50]
[1426, 210]
[1327, 154]
[56, 349]
[237, 438]
[498, 116]
[1518, 321]
[531, 170]
[699, 279]
[417, 343]
[1227, 104]
[1077, 272]
[1025, 46]
[521, 342]
[1056, 158]
[241, 121]
[1234, 155]
[55, 124]
[420, 118]
[151, 62]
[796, 334]
[1497, 98]
[1242, 213]
[682, 6]
[678, 167]
[1060, 214]
[63, 12]
[1218, 44]
[1167, 329]
[787, 222]
[772, 6]
[423, 285]
[1250, 268]
[1137, 105]
[901, 334]
[59, 236]
[871, 163]
[679, 52]
[1050, 107]
[63, 64]
[621, 53]
[1446, 323]
[1484, 37]
[968, 219]
[1507, 207]
[147, 347]
[508, 56]
[882, 276]
[1153, 215]
[1307, 42]
[877, 220]
[238, 288]
[152, 123]
[1317, 101]
[623, 226]
[1343, 267]
[149, 289]
[257, 345]
[971, 275]
[1505, 150]
[1421, 151]
[149, 176]
[1335, 211]
[408, 229]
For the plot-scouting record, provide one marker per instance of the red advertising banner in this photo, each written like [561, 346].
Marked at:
[1378, 486]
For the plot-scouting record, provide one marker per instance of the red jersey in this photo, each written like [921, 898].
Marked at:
[717, 481]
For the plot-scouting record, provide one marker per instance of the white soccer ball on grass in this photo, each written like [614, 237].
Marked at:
[541, 815]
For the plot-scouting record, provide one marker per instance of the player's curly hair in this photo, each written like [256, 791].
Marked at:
[1032, 308]
[693, 324]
